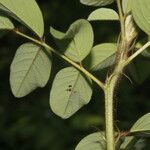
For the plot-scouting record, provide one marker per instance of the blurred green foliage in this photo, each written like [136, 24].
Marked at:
[29, 124]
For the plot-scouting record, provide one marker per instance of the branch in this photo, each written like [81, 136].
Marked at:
[139, 51]
[50, 49]
[121, 19]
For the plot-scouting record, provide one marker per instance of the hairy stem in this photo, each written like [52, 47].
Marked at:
[109, 99]
[50, 49]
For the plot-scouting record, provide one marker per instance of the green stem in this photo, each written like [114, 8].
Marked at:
[121, 19]
[109, 99]
[109, 117]
[50, 49]
[139, 51]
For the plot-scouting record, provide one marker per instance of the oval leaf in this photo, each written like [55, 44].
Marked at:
[27, 12]
[101, 56]
[103, 14]
[141, 15]
[142, 125]
[96, 2]
[126, 5]
[80, 36]
[30, 69]
[95, 141]
[70, 91]
[5, 23]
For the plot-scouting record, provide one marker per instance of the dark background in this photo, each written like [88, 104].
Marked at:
[29, 124]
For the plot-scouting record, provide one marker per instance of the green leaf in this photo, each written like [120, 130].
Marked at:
[25, 11]
[101, 56]
[137, 72]
[5, 23]
[126, 4]
[70, 91]
[95, 141]
[141, 15]
[30, 69]
[142, 125]
[96, 2]
[80, 36]
[103, 14]
[129, 143]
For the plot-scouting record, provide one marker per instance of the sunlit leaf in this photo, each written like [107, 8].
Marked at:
[140, 10]
[70, 91]
[126, 4]
[142, 125]
[5, 23]
[95, 141]
[80, 36]
[103, 14]
[96, 2]
[101, 56]
[30, 69]
[25, 11]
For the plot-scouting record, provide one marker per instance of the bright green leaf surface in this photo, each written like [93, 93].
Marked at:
[141, 14]
[6, 23]
[101, 56]
[70, 91]
[103, 14]
[95, 141]
[25, 11]
[96, 2]
[143, 124]
[81, 39]
[30, 69]
[126, 4]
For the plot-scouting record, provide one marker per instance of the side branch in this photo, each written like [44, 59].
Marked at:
[139, 51]
[50, 49]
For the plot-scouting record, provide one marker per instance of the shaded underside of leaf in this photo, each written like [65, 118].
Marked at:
[70, 91]
[30, 69]
[95, 141]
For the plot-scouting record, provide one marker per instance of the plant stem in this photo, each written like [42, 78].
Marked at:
[50, 49]
[121, 19]
[109, 118]
[109, 99]
[139, 51]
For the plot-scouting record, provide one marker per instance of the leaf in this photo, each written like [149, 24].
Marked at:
[26, 12]
[101, 56]
[129, 143]
[142, 125]
[95, 141]
[70, 91]
[139, 73]
[126, 5]
[5, 23]
[30, 69]
[96, 2]
[80, 36]
[103, 14]
[141, 15]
